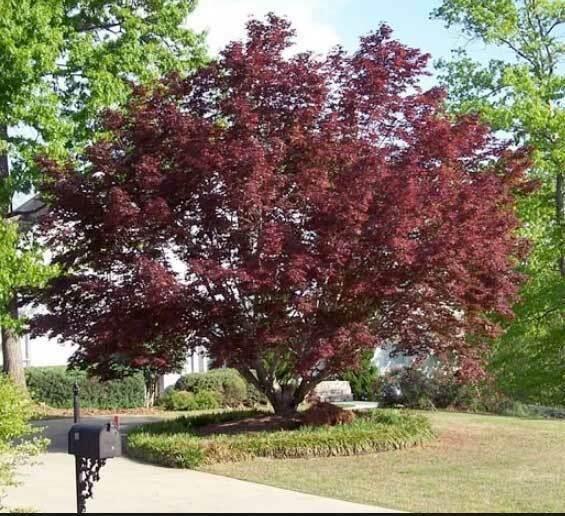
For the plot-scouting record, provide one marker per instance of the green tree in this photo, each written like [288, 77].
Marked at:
[22, 268]
[521, 93]
[62, 62]
[365, 381]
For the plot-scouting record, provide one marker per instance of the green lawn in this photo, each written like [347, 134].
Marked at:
[478, 464]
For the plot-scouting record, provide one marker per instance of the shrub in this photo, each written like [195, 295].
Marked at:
[255, 396]
[228, 384]
[365, 382]
[176, 443]
[207, 400]
[177, 400]
[18, 441]
[54, 386]
[519, 409]
[327, 414]
[183, 400]
[413, 388]
[486, 398]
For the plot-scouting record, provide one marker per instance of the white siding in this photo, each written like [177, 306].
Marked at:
[196, 362]
[41, 352]
[45, 352]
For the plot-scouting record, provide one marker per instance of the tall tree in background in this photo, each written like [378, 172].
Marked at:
[522, 94]
[288, 214]
[63, 61]
[22, 268]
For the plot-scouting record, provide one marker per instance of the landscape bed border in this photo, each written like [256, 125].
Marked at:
[176, 443]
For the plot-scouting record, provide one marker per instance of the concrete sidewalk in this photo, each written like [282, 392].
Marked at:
[129, 486]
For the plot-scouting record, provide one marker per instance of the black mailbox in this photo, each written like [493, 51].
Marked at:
[95, 441]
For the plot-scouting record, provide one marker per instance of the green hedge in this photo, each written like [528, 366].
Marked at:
[228, 384]
[176, 444]
[182, 400]
[54, 386]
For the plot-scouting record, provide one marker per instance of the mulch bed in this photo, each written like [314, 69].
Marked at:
[253, 424]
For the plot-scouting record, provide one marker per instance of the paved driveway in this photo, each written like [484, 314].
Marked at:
[129, 486]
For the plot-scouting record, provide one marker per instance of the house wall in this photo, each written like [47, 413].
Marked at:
[41, 352]
[196, 362]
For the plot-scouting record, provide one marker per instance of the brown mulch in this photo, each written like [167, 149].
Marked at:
[252, 424]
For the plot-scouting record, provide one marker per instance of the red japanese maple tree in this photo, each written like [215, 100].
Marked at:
[288, 214]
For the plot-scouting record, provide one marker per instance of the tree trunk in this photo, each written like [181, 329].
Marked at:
[11, 349]
[13, 364]
[560, 213]
[285, 403]
[151, 384]
[284, 399]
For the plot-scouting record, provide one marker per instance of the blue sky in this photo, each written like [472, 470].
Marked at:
[409, 19]
[323, 23]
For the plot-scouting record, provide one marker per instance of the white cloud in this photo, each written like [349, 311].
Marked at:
[225, 20]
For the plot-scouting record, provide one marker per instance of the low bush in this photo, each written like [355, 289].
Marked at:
[176, 400]
[54, 387]
[414, 388]
[177, 443]
[18, 440]
[207, 400]
[255, 397]
[183, 400]
[546, 412]
[519, 409]
[366, 382]
[227, 384]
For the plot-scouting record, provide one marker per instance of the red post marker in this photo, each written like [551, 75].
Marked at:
[116, 422]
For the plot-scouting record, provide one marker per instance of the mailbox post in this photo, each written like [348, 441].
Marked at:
[91, 444]
[76, 419]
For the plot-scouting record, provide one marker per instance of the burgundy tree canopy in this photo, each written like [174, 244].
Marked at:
[287, 213]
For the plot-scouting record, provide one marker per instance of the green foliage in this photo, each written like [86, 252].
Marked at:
[365, 381]
[228, 384]
[62, 62]
[439, 389]
[54, 386]
[18, 440]
[529, 361]
[176, 444]
[183, 400]
[523, 96]
[518, 409]
[254, 396]
[176, 400]
[207, 400]
[414, 388]
[22, 267]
